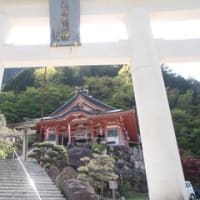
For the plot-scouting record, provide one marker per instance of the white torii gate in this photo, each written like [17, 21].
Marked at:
[142, 51]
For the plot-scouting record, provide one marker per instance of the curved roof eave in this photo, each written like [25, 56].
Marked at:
[87, 97]
[87, 113]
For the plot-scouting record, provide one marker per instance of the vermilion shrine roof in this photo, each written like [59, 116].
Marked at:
[82, 102]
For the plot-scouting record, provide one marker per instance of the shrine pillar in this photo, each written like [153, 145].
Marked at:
[163, 167]
[69, 133]
[92, 129]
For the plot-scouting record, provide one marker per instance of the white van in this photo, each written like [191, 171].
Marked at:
[190, 190]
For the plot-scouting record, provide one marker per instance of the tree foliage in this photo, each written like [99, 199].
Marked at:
[184, 100]
[27, 104]
[191, 168]
[6, 150]
[113, 85]
[21, 81]
[48, 154]
[116, 91]
[2, 154]
[98, 171]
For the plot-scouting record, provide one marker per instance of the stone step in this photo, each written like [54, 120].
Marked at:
[13, 191]
[14, 184]
[24, 177]
[21, 190]
[41, 192]
[20, 169]
[22, 197]
[20, 174]
[7, 188]
[33, 195]
[26, 182]
[29, 192]
[33, 198]
[7, 176]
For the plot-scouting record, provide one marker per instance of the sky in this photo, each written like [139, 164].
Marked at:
[90, 33]
[179, 30]
[187, 70]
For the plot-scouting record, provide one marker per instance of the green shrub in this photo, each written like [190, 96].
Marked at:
[48, 154]
[52, 154]
[7, 148]
[47, 166]
[46, 145]
[37, 144]
[98, 148]
[31, 140]
[59, 148]
[98, 171]
[2, 154]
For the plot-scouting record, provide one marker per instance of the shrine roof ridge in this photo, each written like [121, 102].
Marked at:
[96, 101]
[87, 97]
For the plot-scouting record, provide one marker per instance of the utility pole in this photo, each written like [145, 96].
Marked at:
[43, 100]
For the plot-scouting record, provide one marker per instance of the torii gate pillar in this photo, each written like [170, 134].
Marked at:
[1, 75]
[163, 167]
[4, 25]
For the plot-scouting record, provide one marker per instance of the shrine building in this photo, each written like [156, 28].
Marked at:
[86, 119]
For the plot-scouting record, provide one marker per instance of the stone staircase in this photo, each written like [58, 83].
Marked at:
[15, 185]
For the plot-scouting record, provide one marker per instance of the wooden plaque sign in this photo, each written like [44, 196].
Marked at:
[64, 22]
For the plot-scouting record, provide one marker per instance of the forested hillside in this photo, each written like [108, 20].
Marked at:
[10, 73]
[21, 97]
[184, 100]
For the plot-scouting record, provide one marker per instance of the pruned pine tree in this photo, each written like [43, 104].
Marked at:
[98, 171]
